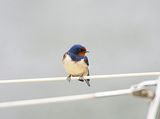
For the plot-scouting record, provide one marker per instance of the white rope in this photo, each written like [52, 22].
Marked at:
[155, 104]
[131, 90]
[90, 77]
[65, 98]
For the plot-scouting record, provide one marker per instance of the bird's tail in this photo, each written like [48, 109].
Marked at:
[87, 82]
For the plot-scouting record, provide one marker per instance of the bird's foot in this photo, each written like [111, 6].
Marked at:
[81, 78]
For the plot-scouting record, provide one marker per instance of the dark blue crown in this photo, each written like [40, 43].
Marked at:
[75, 49]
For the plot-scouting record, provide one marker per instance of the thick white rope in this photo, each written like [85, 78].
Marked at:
[155, 103]
[90, 77]
[131, 90]
[65, 98]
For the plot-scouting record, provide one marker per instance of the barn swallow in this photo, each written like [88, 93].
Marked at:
[76, 63]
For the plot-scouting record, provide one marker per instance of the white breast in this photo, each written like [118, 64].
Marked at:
[75, 68]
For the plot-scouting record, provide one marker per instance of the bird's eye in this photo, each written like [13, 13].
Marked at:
[82, 50]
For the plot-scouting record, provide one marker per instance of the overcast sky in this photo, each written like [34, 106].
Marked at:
[121, 35]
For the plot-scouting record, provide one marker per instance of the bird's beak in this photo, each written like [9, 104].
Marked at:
[87, 52]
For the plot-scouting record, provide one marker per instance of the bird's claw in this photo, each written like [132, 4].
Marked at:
[81, 80]
[86, 80]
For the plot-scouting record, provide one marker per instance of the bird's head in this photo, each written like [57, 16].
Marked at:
[78, 50]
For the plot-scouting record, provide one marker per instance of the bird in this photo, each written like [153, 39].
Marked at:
[76, 63]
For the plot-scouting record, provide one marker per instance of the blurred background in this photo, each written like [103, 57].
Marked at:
[121, 35]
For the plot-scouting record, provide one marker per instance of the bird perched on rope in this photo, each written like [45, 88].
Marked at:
[76, 63]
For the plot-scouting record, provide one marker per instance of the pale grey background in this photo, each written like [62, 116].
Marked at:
[122, 36]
